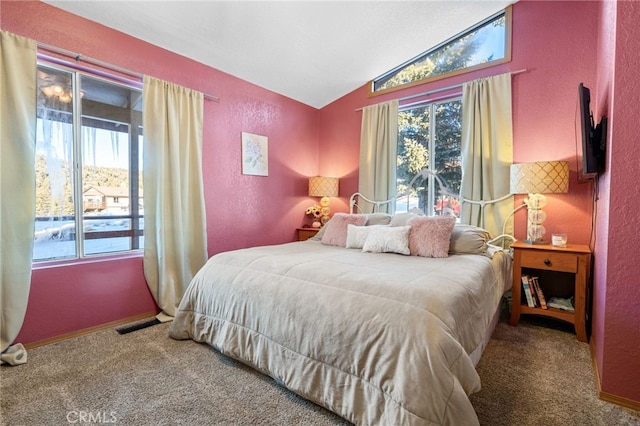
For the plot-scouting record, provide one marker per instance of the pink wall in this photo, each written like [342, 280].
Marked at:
[241, 210]
[616, 315]
[553, 39]
[561, 44]
[69, 298]
[557, 42]
[606, 67]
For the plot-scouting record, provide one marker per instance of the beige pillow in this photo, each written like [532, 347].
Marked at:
[401, 219]
[378, 219]
[468, 239]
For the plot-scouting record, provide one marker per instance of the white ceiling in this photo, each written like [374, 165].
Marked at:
[312, 51]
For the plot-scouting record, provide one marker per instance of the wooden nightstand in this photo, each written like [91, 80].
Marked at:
[306, 233]
[562, 271]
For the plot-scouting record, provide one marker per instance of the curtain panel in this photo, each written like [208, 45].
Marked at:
[18, 84]
[487, 152]
[378, 152]
[174, 210]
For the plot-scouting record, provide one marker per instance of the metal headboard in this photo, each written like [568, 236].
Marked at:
[358, 198]
[424, 173]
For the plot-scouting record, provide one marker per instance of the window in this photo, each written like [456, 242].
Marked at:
[429, 136]
[485, 44]
[88, 166]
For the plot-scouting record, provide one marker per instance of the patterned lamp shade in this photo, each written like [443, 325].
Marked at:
[543, 177]
[320, 186]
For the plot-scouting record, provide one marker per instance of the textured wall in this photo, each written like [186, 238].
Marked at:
[617, 339]
[241, 210]
[606, 67]
[556, 43]
[562, 44]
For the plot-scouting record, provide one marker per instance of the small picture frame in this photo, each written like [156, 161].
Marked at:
[255, 154]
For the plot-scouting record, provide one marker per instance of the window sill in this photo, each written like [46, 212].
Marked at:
[86, 260]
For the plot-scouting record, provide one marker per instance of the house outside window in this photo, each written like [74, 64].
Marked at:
[486, 44]
[88, 166]
[429, 136]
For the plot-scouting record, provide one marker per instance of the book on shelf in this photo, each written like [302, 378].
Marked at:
[534, 295]
[563, 304]
[532, 291]
[527, 291]
[538, 290]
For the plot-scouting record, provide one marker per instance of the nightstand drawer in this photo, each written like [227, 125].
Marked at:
[554, 261]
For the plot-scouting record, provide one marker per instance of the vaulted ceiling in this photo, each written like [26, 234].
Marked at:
[312, 51]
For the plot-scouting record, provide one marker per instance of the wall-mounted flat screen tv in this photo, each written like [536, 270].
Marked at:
[593, 137]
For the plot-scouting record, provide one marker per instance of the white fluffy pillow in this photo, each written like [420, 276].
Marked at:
[387, 239]
[356, 235]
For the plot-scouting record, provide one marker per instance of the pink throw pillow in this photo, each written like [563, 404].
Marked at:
[336, 232]
[430, 235]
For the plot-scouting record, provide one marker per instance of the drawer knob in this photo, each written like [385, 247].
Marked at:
[547, 262]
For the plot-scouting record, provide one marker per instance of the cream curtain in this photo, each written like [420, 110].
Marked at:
[487, 152]
[175, 246]
[378, 152]
[17, 186]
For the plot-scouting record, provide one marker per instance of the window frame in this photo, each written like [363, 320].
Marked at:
[507, 57]
[432, 104]
[135, 132]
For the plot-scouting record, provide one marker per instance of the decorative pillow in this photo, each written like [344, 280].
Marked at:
[378, 219]
[430, 235]
[468, 239]
[401, 219]
[356, 235]
[387, 239]
[335, 233]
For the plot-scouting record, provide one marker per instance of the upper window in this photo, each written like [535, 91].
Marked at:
[485, 44]
[88, 166]
[429, 136]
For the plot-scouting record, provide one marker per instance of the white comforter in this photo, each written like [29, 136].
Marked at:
[376, 338]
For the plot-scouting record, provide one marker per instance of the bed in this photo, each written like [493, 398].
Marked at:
[375, 335]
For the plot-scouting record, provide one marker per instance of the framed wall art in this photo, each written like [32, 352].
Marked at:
[255, 154]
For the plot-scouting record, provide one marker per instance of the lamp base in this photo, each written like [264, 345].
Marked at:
[325, 211]
[538, 241]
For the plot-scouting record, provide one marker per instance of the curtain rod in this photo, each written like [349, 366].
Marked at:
[442, 89]
[78, 57]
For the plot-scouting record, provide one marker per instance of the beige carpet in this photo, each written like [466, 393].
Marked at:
[538, 373]
[531, 375]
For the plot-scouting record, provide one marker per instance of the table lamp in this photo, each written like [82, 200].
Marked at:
[536, 179]
[325, 187]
